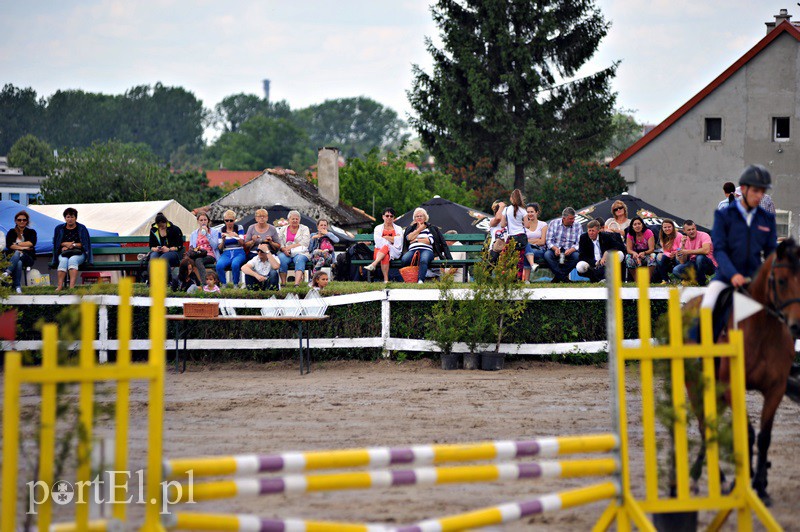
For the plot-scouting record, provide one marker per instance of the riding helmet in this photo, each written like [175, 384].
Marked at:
[756, 175]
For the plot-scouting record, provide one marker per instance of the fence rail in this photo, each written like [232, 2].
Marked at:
[385, 342]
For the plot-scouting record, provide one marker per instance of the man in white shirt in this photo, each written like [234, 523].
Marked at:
[261, 272]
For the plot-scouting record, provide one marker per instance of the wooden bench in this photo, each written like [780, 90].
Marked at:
[471, 243]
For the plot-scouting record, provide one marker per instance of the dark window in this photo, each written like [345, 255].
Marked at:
[780, 129]
[14, 196]
[33, 199]
[713, 129]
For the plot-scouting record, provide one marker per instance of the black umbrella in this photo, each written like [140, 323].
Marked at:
[652, 215]
[447, 216]
[279, 216]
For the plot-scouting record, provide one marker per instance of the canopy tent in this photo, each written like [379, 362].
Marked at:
[278, 216]
[43, 225]
[447, 216]
[652, 215]
[133, 218]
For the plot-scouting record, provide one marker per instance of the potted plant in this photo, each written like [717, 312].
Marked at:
[443, 327]
[505, 299]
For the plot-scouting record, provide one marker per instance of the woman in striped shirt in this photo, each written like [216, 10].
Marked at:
[420, 240]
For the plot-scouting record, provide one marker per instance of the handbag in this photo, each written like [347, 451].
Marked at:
[299, 250]
[411, 273]
[197, 253]
[71, 253]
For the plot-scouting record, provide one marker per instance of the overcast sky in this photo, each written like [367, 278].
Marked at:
[313, 50]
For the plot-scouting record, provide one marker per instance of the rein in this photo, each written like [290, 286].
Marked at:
[776, 304]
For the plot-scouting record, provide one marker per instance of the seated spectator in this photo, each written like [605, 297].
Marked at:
[71, 247]
[166, 242]
[388, 238]
[188, 279]
[729, 190]
[456, 271]
[259, 233]
[536, 233]
[294, 238]
[498, 233]
[669, 240]
[696, 255]
[211, 283]
[20, 249]
[594, 247]
[640, 243]
[203, 244]
[321, 247]
[261, 272]
[231, 246]
[319, 281]
[425, 239]
[563, 235]
[619, 221]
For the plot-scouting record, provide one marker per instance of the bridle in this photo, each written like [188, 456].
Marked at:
[775, 304]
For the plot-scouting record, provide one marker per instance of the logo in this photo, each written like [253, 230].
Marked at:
[62, 492]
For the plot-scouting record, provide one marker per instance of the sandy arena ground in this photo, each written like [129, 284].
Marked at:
[267, 408]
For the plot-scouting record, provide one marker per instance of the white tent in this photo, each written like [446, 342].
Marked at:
[132, 218]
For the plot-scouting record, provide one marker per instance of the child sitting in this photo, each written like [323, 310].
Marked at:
[319, 281]
[211, 282]
[321, 246]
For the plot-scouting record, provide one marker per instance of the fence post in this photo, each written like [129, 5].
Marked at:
[386, 324]
[102, 326]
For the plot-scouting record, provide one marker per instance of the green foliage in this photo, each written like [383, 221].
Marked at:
[236, 109]
[262, 142]
[626, 131]
[443, 322]
[354, 125]
[20, 114]
[580, 184]
[114, 171]
[478, 178]
[496, 90]
[441, 184]
[33, 155]
[507, 300]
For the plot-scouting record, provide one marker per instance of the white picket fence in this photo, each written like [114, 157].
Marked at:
[385, 341]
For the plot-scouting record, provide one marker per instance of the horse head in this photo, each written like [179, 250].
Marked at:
[784, 284]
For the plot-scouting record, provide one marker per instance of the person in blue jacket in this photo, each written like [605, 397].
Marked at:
[744, 234]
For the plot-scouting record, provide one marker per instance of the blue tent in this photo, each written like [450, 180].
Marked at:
[43, 225]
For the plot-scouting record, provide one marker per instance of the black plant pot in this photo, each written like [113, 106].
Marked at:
[675, 522]
[450, 360]
[491, 361]
[472, 361]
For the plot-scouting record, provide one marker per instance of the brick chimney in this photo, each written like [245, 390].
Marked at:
[780, 17]
[328, 174]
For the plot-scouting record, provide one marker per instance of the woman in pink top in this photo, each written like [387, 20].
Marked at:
[669, 239]
[641, 243]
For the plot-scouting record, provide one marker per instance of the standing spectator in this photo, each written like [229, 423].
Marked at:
[593, 249]
[619, 221]
[426, 239]
[71, 247]
[388, 238]
[259, 233]
[231, 246]
[294, 248]
[696, 255]
[261, 273]
[729, 190]
[497, 232]
[321, 246]
[514, 219]
[20, 249]
[640, 243]
[766, 202]
[563, 235]
[536, 233]
[203, 245]
[669, 240]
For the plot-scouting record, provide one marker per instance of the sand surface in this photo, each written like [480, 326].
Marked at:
[270, 408]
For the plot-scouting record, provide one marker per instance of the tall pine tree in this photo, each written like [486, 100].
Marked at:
[502, 86]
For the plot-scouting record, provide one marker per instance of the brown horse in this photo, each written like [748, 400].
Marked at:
[769, 349]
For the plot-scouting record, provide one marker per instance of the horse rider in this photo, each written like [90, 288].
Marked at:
[744, 234]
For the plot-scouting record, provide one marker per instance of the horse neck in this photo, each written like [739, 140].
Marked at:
[759, 287]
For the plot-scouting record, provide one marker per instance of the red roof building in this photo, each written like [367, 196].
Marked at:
[218, 178]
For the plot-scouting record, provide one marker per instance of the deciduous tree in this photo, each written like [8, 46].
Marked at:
[503, 85]
[33, 155]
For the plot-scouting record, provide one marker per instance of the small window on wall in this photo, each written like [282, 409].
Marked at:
[14, 196]
[781, 131]
[713, 129]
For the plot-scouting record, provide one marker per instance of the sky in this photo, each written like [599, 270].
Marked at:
[313, 50]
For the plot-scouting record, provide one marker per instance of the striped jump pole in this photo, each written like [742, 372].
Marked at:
[495, 515]
[294, 462]
[424, 476]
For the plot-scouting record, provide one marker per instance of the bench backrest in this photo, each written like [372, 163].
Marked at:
[470, 242]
